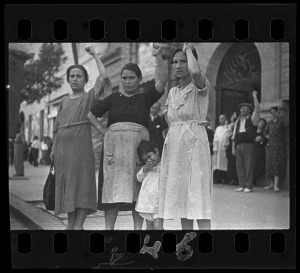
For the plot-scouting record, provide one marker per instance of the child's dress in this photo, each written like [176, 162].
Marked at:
[147, 203]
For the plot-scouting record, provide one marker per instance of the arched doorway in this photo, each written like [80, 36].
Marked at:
[238, 75]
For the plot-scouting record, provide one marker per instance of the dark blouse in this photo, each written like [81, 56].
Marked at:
[127, 109]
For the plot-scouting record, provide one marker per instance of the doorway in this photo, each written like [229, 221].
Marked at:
[238, 75]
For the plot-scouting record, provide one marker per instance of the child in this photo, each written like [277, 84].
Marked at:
[147, 203]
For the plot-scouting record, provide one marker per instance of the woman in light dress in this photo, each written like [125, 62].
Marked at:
[185, 188]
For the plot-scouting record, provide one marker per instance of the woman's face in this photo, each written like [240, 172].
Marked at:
[180, 65]
[76, 79]
[261, 124]
[274, 113]
[130, 81]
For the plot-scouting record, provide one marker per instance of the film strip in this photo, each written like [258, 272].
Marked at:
[222, 23]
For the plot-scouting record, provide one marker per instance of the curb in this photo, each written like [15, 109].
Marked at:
[36, 215]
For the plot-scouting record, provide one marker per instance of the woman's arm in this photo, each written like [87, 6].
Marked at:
[102, 80]
[95, 122]
[256, 113]
[194, 69]
[100, 65]
[162, 74]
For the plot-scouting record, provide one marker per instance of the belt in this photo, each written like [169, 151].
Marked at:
[185, 122]
[127, 126]
[73, 124]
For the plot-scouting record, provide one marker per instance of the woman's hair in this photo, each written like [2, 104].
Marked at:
[85, 74]
[134, 68]
[181, 50]
[263, 121]
[146, 147]
[275, 108]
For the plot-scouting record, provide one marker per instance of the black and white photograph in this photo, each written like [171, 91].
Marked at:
[149, 136]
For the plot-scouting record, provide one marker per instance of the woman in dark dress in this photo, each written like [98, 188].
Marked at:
[275, 152]
[128, 113]
[260, 151]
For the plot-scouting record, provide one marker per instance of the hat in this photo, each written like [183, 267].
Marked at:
[246, 104]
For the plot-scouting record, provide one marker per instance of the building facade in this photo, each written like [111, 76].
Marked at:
[234, 70]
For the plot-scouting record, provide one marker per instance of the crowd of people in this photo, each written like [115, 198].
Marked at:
[35, 152]
[249, 148]
[158, 162]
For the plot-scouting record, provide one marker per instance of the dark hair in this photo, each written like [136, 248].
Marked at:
[181, 50]
[223, 115]
[134, 68]
[35, 137]
[85, 74]
[146, 147]
[263, 121]
[275, 108]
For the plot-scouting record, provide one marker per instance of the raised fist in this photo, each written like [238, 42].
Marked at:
[157, 49]
[187, 45]
[90, 50]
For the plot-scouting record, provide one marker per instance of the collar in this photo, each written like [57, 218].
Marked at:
[246, 117]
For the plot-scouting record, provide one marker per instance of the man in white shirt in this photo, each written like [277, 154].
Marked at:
[243, 143]
[35, 146]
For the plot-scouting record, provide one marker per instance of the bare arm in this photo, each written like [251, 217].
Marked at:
[141, 175]
[100, 65]
[162, 74]
[194, 69]
[95, 122]
[102, 78]
[256, 113]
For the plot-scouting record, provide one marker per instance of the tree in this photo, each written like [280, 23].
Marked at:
[40, 75]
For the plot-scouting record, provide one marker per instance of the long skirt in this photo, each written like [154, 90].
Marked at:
[120, 163]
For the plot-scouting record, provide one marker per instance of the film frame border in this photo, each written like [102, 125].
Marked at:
[259, 20]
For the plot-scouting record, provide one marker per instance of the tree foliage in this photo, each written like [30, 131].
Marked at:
[40, 75]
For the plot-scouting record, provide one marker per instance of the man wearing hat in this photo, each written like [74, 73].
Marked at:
[244, 133]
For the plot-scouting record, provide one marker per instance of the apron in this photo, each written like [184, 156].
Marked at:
[121, 162]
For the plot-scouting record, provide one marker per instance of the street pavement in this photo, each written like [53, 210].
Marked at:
[260, 209]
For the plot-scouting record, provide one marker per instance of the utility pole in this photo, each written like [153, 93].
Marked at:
[75, 53]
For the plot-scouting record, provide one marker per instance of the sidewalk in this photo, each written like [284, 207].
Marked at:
[260, 209]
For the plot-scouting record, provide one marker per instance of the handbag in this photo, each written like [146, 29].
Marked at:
[49, 189]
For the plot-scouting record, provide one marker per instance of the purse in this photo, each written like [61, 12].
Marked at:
[49, 189]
